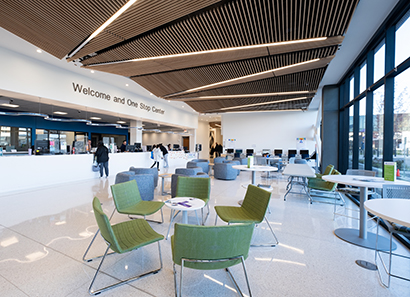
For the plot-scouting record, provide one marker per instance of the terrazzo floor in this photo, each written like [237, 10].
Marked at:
[44, 233]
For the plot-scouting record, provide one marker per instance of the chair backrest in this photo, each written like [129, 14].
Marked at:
[300, 161]
[328, 169]
[125, 195]
[105, 227]
[256, 202]
[360, 172]
[211, 243]
[193, 187]
[396, 191]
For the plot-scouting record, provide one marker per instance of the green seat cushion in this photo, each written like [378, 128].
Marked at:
[143, 208]
[134, 234]
[234, 214]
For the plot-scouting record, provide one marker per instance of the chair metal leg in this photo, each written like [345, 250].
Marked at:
[207, 215]
[172, 219]
[268, 245]
[234, 281]
[175, 280]
[216, 218]
[96, 292]
[180, 280]
[91, 243]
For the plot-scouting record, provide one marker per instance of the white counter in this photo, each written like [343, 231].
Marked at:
[20, 173]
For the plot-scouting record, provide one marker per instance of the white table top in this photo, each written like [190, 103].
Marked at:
[255, 168]
[302, 170]
[194, 203]
[393, 210]
[361, 181]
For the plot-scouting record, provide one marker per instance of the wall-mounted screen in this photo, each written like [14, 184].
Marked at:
[229, 151]
[278, 152]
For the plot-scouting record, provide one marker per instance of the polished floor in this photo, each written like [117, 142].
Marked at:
[44, 233]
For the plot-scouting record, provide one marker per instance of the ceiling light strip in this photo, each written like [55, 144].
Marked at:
[241, 96]
[242, 77]
[216, 51]
[103, 26]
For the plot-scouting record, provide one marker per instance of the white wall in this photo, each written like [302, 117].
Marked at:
[269, 130]
[29, 76]
[164, 138]
[202, 137]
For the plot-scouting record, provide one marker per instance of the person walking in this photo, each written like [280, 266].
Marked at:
[101, 156]
[156, 152]
[165, 154]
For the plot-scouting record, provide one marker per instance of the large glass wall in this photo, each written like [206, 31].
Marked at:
[402, 39]
[362, 132]
[379, 61]
[351, 113]
[401, 137]
[378, 120]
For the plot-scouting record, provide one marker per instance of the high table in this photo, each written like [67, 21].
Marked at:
[295, 172]
[254, 169]
[183, 204]
[361, 237]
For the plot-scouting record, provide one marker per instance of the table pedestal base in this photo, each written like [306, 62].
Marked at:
[352, 236]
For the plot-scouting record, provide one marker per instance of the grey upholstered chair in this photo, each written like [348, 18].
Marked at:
[242, 161]
[189, 171]
[234, 162]
[153, 171]
[219, 160]
[145, 183]
[204, 164]
[174, 181]
[225, 171]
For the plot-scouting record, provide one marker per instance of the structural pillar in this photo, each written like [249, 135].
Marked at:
[135, 134]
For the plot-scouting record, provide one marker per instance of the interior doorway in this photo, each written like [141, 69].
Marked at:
[185, 143]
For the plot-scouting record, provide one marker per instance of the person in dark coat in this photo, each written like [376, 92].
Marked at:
[101, 156]
[165, 154]
[123, 147]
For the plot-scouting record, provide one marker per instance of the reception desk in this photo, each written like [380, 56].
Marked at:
[20, 173]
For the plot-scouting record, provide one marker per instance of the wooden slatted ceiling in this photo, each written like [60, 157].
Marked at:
[239, 23]
[56, 27]
[302, 81]
[173, 82]
[142, 67]
[215, 107]
[141, 17]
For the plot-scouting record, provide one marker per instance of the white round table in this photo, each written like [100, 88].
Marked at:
[254, 169]
[361, 237]
[392, 210]
[183, 204]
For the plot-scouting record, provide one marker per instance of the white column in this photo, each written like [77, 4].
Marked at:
[135, 134]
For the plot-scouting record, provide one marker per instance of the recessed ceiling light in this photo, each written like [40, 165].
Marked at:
[10, 105]
[182, 106]
[126, 85]
[92, 71]
[95, 118]
[169, 100]
[39, 51]
[151, 94]
[121, 122]
[60, 112]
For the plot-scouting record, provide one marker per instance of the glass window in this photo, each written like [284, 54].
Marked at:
[15, 138]
[402, 39]
[351, 89]
[379, 66]
[351, 115]
[363, 78]
[362, 131]
[401, 136]
[378, 117]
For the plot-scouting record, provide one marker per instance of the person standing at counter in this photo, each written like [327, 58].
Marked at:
[156, 153]
[101, 156]
[123, 147]
[165, 154]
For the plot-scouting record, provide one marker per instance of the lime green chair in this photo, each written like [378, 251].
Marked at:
[252, 210]
[122, 238]
[196, 187]
[328, 170]
[317, 187]
[128, 201]
[210, 248]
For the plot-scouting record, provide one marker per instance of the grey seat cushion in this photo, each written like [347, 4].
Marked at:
[153, 171]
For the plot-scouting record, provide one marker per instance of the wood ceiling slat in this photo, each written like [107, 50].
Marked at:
[56, 26]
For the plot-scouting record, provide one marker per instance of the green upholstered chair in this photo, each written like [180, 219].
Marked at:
[122, 238]
[317, 187]
[195, 187]
[252, 210]
[397, 192]
[328, 170]
[128, 201]
[210, 248]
